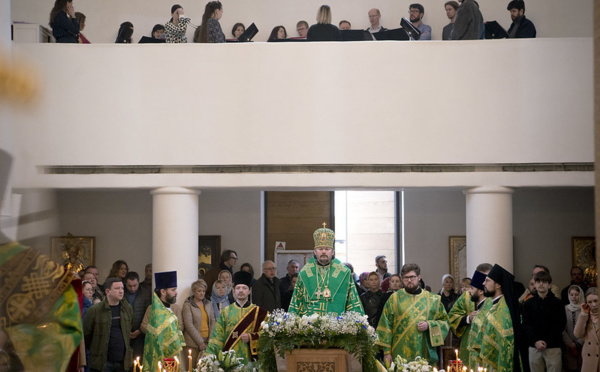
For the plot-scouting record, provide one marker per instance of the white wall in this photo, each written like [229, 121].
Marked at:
[431, 216]
[552, 18]
[236, 216]
[544, 221]
[121, 221]
[117, 108]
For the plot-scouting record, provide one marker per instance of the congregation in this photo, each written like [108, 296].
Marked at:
[466, 22]
[494, 321]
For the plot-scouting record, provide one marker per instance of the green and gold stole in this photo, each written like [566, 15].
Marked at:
[40, 309]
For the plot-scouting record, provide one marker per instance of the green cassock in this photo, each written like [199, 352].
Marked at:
[39, 310]
[163, 336]
[462, 308]
[397, 329]
[315, 282]
[497, 339]
[232, 323]
[474, 344]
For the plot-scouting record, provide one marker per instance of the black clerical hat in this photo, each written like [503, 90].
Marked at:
[477, 280]
[167, 279]
[242, 277]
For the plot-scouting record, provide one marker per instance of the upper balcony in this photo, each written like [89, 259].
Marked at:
[155, 115]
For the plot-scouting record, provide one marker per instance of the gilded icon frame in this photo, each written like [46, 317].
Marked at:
[73, 252]
[458, 259]
[209, 253]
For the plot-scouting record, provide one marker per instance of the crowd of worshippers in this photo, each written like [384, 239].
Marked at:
[548, 328]
[466, 22]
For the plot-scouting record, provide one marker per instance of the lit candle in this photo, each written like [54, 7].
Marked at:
[176, 363]
[465, 369]
[159, 367]
[435, 369]
[141, 368]
[190, 360]
[135, 366]
[456, 351]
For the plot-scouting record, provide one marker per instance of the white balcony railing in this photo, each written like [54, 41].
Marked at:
[390, 103]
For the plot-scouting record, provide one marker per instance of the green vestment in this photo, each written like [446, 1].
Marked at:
[163, 336]
[40, 310]
[397, 329]
[462, 308]
[232, 323]
[474, 344]
[497, 339]
[314, 280]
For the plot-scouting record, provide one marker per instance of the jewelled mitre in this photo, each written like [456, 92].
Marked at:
[324, 237]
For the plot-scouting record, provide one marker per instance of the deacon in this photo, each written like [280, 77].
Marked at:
[413, 321]
[499, 337]
[161, 324]
[324, 284]
[464, 314]
[239, 323]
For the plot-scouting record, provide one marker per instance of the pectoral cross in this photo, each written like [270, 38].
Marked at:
[319, 293]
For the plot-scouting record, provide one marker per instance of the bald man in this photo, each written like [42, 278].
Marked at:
[265, 291]
[374, 16]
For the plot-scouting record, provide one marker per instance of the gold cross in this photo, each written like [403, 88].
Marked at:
[324, 224]
[318, 293]
[235, 334]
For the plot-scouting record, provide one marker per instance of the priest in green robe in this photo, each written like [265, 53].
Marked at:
[500, 332]
[463, 313]
[239, 323]
[164, 338]
[413, 321]
[325, 285]
[40, 320]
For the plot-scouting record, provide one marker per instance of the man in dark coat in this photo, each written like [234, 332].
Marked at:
[265, 291]
[139, 299]
[521, 27]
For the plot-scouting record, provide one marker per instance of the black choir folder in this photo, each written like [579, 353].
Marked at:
[395, 34]
[355, 35]
[250, 32]
[151, 40]
[493, 30]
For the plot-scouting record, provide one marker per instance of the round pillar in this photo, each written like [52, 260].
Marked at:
[175, 235]
[489, 227]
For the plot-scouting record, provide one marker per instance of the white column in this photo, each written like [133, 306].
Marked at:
[489, 227]
[175, 235]
[5, 23]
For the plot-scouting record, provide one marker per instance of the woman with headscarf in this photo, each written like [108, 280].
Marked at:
[572, 344]
[449, 296]
[219, 298]
[587, 328]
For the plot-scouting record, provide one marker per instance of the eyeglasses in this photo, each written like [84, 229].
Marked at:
[409, 278]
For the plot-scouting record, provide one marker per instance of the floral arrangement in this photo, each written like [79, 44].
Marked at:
[403, 365]
[349, 331]
[225, 361]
